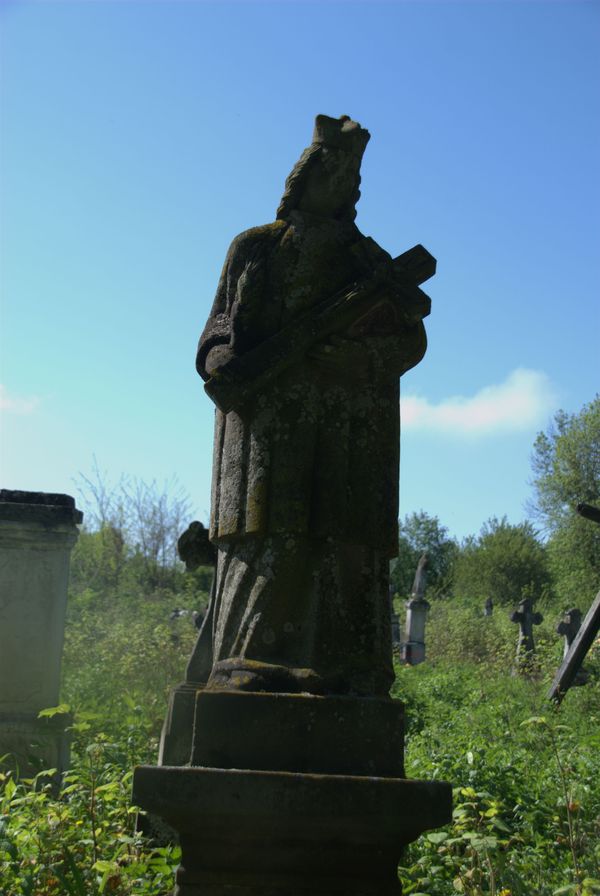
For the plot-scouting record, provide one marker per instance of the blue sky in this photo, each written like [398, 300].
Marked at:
[139, 138]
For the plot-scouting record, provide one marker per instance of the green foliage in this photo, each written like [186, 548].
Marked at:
[505, 562]
[99, 560]
[566, 468]
[526, 776]
[82, 840]
[133, 521]
[526, 784]
[419, 534]
[128, 646]
[566, 464]
[122, 655]
[458, 632]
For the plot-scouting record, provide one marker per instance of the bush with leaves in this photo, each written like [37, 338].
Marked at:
[505, 562]
[566, 471]
[130, 520]
[527, 783]
[82, 840]
[420, 533]
[526, 778]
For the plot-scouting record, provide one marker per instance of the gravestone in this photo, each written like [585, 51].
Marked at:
[413, 647]
[570, 668]
[37, 533]
[294, 783]
[526, 617]
[568, 627]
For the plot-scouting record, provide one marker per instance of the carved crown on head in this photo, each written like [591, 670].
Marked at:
[341, 133]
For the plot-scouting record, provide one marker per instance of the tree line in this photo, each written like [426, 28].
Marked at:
[129, 543]
[554, 553]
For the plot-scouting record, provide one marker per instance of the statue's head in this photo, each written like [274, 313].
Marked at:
[325, 181]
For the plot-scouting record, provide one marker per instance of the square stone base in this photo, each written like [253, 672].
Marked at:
[288, 794]
[258, 833]
[35, 744]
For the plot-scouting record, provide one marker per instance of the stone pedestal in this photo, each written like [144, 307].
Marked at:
[291, 795]
[175, 746]
[37, 533]
[34, 744]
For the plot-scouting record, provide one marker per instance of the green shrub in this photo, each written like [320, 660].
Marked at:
[81, 841]
[526, 782]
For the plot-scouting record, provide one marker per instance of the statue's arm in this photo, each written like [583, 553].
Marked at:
[216, 335]
[397, 352]
[236, 322]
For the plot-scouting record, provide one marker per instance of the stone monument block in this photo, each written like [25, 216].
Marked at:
[413, 646]
[315, 735]
[37, 533]
[265, 833]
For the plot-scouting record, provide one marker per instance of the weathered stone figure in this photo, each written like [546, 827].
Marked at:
[305, 470]
[290, 778]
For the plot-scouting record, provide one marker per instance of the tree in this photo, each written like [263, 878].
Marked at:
[418, 534]
[98, 560]
[505, 562]
[566, 470]
[131, 524]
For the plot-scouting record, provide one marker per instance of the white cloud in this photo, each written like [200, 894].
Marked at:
[16, 405]
[523, 401]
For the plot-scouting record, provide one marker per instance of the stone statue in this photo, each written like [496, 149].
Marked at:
[317, 322]
[310, 330]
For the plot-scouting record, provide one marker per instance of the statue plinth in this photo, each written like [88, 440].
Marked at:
[292, 794]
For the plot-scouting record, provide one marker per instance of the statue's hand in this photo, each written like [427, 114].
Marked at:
[217, 357]
[341, 355]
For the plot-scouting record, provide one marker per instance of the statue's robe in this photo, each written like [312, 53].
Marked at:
[304, 489]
